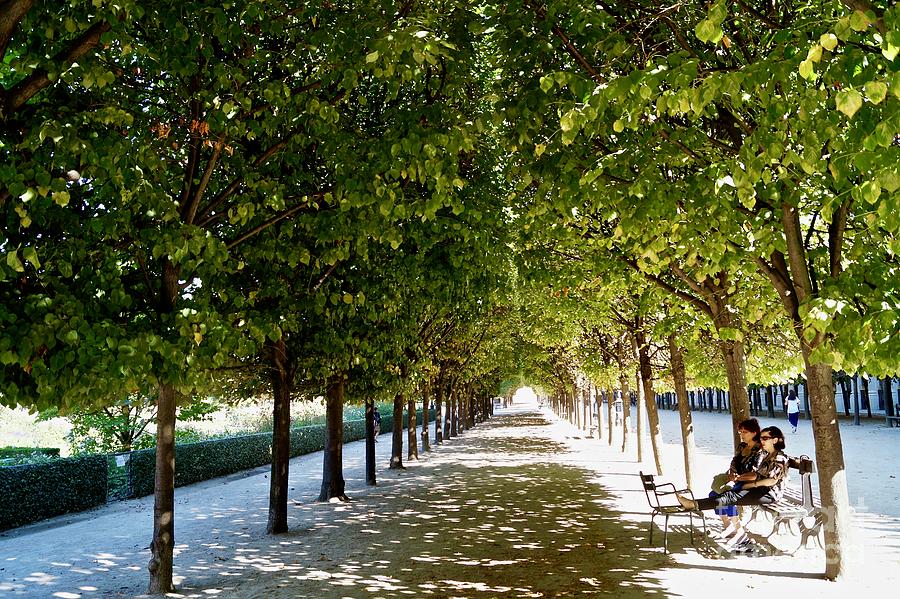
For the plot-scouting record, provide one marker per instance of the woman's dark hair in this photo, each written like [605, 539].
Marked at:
[751, 425]
[775, 432]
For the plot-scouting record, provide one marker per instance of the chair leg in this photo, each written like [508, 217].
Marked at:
[652, 517]
[691, 527]
[666, 536]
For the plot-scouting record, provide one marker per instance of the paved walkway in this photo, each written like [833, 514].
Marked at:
[521, 506]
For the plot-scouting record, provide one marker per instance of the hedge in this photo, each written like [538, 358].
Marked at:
[33, 492]
[196, 462]
[17, 452]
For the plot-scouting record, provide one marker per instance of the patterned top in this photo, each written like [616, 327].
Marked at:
[743, 463]
[774, 465]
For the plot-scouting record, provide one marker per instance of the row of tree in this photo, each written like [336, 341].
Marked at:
[362, 199]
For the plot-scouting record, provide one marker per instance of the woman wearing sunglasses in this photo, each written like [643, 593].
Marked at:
[742, 470]
[771, 477]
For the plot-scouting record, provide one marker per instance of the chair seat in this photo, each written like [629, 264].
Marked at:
[661, 498]
[672, 509]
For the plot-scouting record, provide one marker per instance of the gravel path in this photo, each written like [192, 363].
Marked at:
[521, 506]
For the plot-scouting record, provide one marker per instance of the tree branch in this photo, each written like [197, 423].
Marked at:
[203, 217]
[25, 89]
[11, 14]
[694, 301]
[836, 229]
[276, 219]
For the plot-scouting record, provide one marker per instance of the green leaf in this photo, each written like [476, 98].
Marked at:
[859, 21]
[546, 84]
[61, 198]
[848, 101]
[372, 56]
[30, 254]
[707, 31]
[12, 260]
[806, 70]
[815, 53]
[829, 41]
[876, 91]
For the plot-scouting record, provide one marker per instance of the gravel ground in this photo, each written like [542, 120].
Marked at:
[521, 506]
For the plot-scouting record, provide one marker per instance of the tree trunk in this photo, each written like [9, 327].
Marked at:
[280, 374]
[639, 428]
[397, 435]
[163, 544]
[371, 479]
[650, 399]
[426, 390]
[736, 372]
[448, 411]
[454, 411]
[626, 408]
[413, 449]
[830, 463]
[332, 464]
[845, 393]
[684, 409]
[867, 401]
[610, 417]
[438, 409]
[462, 415]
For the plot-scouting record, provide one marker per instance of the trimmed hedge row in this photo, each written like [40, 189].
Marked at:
[196, 462]
[33, 492]
[17, 452]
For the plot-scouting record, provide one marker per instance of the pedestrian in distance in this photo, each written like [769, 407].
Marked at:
[793, 410]
[376, 418]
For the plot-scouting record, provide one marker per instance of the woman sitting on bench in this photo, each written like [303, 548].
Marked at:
[772, 474]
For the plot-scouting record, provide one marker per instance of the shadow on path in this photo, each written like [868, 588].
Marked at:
[489, 514]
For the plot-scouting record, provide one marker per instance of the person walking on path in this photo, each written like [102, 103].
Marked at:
[376, 418]
[793, 409]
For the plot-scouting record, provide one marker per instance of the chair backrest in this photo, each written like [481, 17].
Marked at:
[649, 487]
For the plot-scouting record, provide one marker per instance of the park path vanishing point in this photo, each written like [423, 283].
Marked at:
[521, 506]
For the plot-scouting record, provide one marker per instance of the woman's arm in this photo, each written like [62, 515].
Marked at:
[762, 482]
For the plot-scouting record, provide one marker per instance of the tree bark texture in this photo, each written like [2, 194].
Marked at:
[411, 441]
[163, 544]
[650, 399]
[454, 411]
[280, 373]
[626, 407]
[832, 473]
[610, 400]
[333, 485]
[426, 390]
[371, 478]
[397, 434]
[438, 411]
[684, 408]
[736, 372]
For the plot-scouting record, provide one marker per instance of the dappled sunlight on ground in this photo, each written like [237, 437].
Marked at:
[519, 525]
[521, 506]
